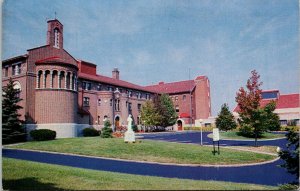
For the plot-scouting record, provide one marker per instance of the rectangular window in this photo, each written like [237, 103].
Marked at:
[139, 107]
[147, 96]
[129, 93]
[83, 85]
[14, 70]
[184, 97]
[110, 102]
[99, 102]
[86, 101]
[89, 86]
[98, 120]
[99, 87]
[129, 108]
[176, 98]
[117, 105]
[6, 71]
[177, 108]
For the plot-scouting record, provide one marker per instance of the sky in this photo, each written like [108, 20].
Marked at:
[169, 40]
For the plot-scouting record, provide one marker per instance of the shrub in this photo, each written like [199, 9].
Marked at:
[288, 187]
[90, 132]
[134, 128]
[43, 134]
[106, 131]
[204, 129]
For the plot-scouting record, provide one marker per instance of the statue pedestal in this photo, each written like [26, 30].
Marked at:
[129, 137]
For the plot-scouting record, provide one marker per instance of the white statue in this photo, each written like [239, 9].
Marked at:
[129, 134]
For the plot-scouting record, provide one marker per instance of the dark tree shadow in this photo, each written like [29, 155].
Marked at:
[28, 184]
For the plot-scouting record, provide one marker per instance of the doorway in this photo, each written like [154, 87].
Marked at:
[179, 125]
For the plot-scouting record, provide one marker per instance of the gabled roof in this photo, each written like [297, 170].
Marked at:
[16, 58]
[113, 81]
[173, 87]
[283, 102]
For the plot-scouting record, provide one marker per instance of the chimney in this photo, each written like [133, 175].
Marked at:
[115, 74]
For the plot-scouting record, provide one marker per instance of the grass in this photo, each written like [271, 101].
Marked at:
[25, 175]
[234, 135]
[146, 150]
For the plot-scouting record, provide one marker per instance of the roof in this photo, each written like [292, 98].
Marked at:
[173, 87]
[184, 115]
[283, 102]
[20, 57]
[113, 81]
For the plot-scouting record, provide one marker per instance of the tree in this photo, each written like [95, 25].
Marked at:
[12, 128]
[291, 155]
[149, 115]
[106, 131]
[249, 105]
[225, 120]
[165, 108]
[272, 119]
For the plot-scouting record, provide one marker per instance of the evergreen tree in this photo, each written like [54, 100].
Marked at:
[225, 120]
[106, 131]
[12, 128]
[291, 155]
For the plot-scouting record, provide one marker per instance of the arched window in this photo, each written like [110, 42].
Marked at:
[56, 38]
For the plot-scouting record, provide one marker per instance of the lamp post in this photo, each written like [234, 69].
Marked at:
[201, 120]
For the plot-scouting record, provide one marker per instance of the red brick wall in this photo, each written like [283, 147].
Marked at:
[202, 99]
[87, 68]
[56, 106]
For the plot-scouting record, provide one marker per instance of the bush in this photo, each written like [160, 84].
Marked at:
[106, 131]
[205, 129]
[288, 187]
[134, 128]
[90, 132]
[43, 134]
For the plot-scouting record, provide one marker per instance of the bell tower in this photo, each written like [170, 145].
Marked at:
[55, 34]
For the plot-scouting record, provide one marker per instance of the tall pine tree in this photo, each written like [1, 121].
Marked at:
[12, 128]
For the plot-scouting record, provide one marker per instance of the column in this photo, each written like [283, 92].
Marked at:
[51, 81]
[58, 81]
[66, 80]
[37, 79]
[44, 79]
[75, 83]
[71, 81]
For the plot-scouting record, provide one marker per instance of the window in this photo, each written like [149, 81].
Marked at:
[129, 93]
[129, 108]
[147, 96]
[117, 105]
[110, 102]
[184, 97]
[269, 95]
[6, 71]
[16, 69]
[99, 102]
[177, 108]
[139, 106]
[110, 88]
[98, 120]
[99, 87]
[86, 101]
[176, 98]
[139, 95]
[56, 38]
[138, 120]
[89, 86]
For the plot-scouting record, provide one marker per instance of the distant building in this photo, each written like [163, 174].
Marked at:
[66, 94]
[287, 106]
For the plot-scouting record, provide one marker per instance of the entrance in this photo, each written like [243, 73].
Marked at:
[117, 121]
[179, 125]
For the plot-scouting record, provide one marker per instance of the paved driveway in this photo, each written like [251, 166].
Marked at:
[267, 174]
[194, 137]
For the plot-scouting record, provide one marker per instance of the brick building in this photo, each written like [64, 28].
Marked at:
[66, 94]
[287, 106]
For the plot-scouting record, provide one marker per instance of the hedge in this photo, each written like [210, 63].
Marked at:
[90, 132]
[43, 134]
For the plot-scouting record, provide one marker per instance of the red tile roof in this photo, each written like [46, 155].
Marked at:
[173, 87]
[283, 102]
[108, 80]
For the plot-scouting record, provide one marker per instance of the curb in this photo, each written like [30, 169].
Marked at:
[148, 162]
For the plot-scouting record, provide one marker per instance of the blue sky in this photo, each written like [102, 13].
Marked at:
[159, 40]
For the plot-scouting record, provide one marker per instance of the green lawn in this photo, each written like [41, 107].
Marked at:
[146, 150]
[25, 175]
[234, 135]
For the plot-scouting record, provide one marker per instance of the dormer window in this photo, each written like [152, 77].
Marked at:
[56, 38]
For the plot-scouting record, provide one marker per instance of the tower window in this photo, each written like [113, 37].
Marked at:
[56, 38]
[86, 101]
